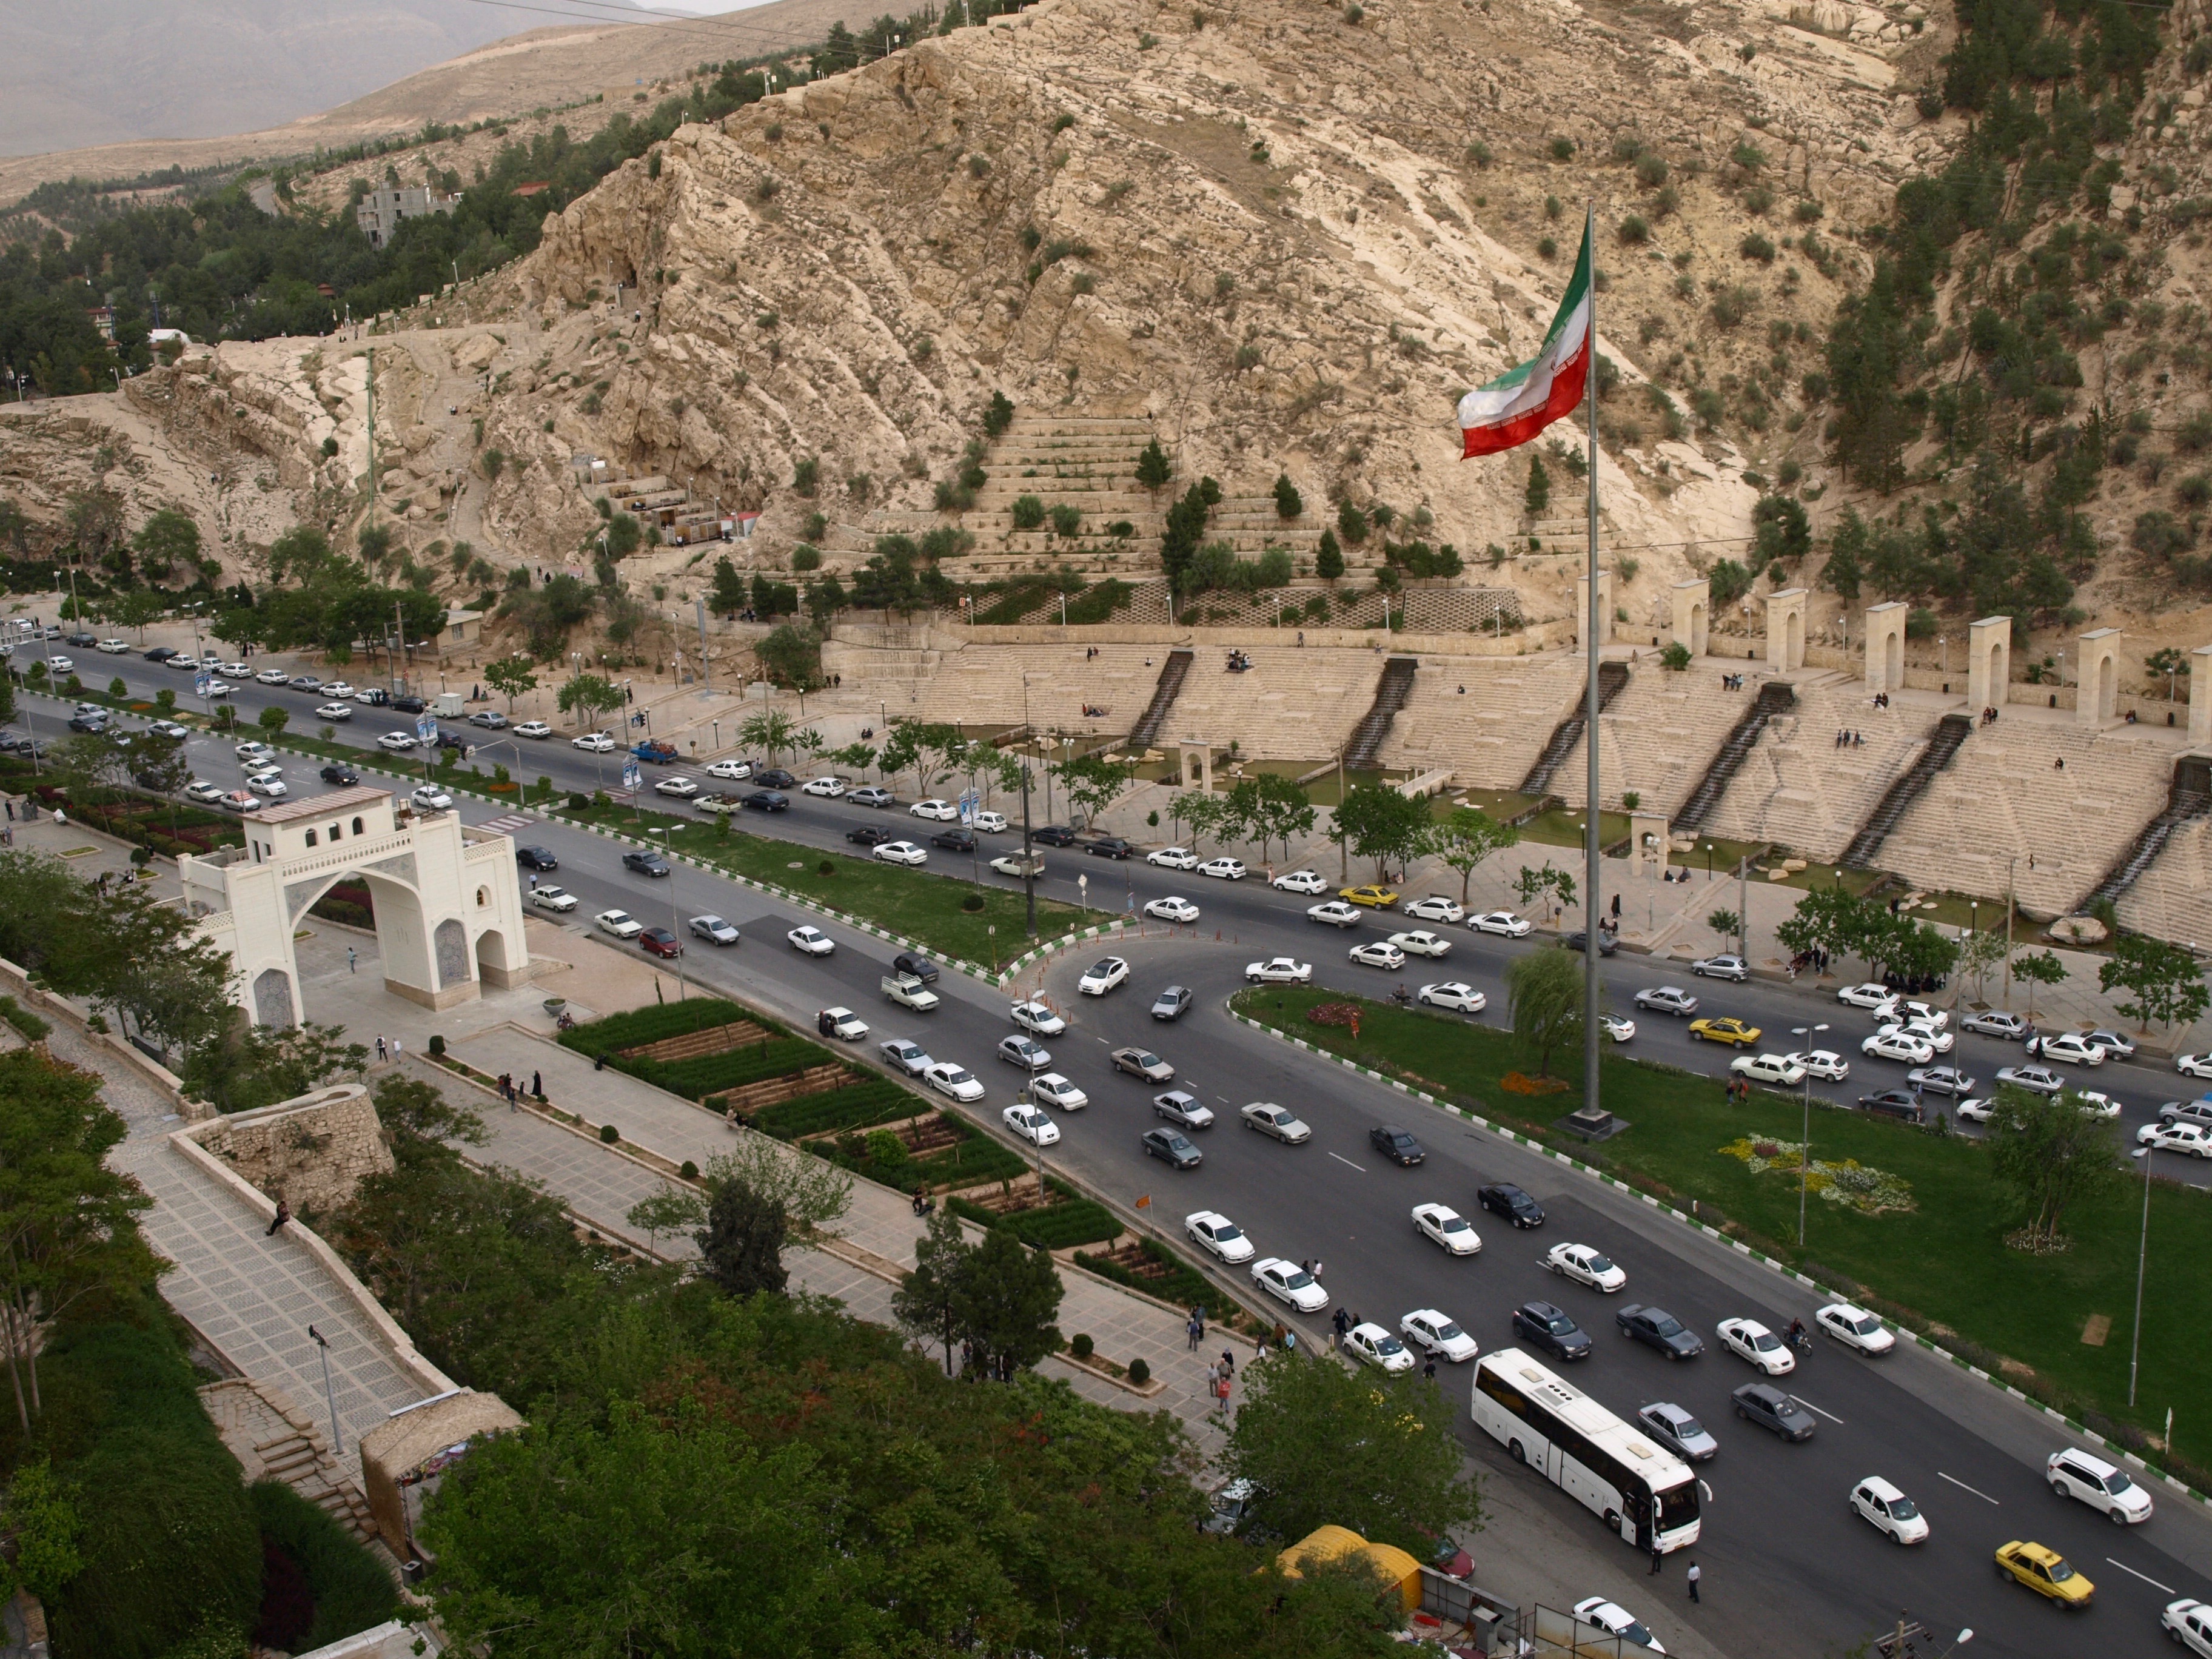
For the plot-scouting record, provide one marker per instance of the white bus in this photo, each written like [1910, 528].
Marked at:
[1644, 1492]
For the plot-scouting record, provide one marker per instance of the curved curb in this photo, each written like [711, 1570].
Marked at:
[1691, 1221]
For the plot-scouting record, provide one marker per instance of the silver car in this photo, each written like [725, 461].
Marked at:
[1676, 1430]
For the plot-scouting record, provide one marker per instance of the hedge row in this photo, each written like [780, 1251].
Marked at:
[643, 1025]
[756, 1062]
[860, 1107]
[1181, 1284]
[1055, 1227]
[970, 1161]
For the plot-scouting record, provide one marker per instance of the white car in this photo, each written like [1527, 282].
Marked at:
[2069, 1049]
[1421, 943]
[267, 783]
[169, 729]
[273, 677]
[1748, 1339]
[1586, 1265]
[1895, 1042]
[1031, 1125]
[1223, 869]
[1777, 1069]
[1615, 1620]
[1885, 1509]
[1436, 1334]
[812, 940]
[1435, 908]
[1279, 1121]
[2099, 1485]
[396, 741]
[552, 898]
[1825, 1063]
[1299, 881]
[256, 751]
[335, 711]
[1171, 910]
[1667, 999]
[842, 1023]
[1939, 1017]
[1286, 1282]
[1012, 864]
[989, 824]
[68, 665]
[1454, 994]
[594, 743]
[2097, 1105]
[1173, 858]
[906, 1055]
[1056, 1091]
[206, 793]
[536, 729]
[2188, 1622]
[1855, 1328]
[953, 1081]
[1978, 1109]
[1370, 1345]
[1443, 1225]
[114, 647]
[1619, 1027]
[431, 798]
[2193, 1139]
[1940, 1041]
[2036, 1079]
[1879, 998]
[1379, 953]
[827, 788]
[735, 769]
[1037, 1019]
[1217, 1233]
[940, 811]
[1026, 1052]
[1336, 913]
[901, 852]
[1278, 971]
[1503, 923]
[619, 923]
[330, 687]
[2196, 1065]
[1103, 977]
[682, 788]
[1180, 1106]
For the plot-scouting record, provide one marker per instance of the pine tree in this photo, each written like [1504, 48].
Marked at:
[999, 415]
[1152, 467]
[742, 1244]
[1351, 523]
[1288, 503]
[1328, 562]
[1540, 487]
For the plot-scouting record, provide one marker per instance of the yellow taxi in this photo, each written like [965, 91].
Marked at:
[2045, 1572]
[1732, 1031]
[1380, 898]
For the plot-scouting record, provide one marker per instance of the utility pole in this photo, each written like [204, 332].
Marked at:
[1743, 907]
[1343, 850]
[372, 434]
[2011, 863]
[1029, 857]
[706, 670]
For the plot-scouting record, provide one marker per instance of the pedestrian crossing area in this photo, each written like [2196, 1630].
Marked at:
[508, 825]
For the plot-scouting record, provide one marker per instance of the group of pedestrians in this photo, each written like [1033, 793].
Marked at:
[1847, 739]
[1695, 1576]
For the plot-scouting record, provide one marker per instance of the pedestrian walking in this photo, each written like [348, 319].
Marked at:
[1190, 1330]
[353, 962]
[1656, 1560]
[284, 1215]
[395, 1051]
[1694, 1577]
[1429, 1369]
[379, 1049]
[537, 1085]
[1228, 1363]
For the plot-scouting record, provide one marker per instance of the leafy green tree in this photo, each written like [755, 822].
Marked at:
[1781, 529]
[1185, 529]
[588, 696]
[1008, 1294]
[1548, 886]
[1351, 523]
[1536, 500]
[1289, 504]
[1382, 824]
[2163, 982]
[1092, 781]
[1466, 839]
[273, 719]
[998, 416]
[1981, 954]
[2055, 1155]
[510, 677]
[741, 1246]
[168, 542]
[771, 731]
[1724, 923]
[1327, 1444]
[2042, 968]
[1153, 469]
[928, 1299]
[1200, 813]
[1027, 511]
[1270, 807]
[1328, 557]
[729, 594]
[1830, 920]
[258, 1065]
[791, 656]
[40, 1515]
[135, 607]
[1544, 990]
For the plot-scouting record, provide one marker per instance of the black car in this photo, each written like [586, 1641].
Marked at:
[450, 739]
[1657, 1328]
[536, 858]
[954, 841]
[339, 774]
[1109, 847]
[87, 723]
[1893, 1103]
[410, 705]
[1770, 1408]
[1396, 1145]
[871, 835]
[1171, 1145]
[161, 654]
[83, 641]
[776, 778]
[1053, 834]
[1172, 1003]
[1505, 1198]
[1578, 941]
[1548, 1327]
[767, 800]
[921, 967]
[645, 863]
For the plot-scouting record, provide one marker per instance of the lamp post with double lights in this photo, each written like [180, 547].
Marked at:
[1805, 1145]
[667, 851]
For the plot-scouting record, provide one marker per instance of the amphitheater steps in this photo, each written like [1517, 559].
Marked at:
[1800, 789]
[2172, 898]
[1659, 734]
[1484, 718]
[2188, 796]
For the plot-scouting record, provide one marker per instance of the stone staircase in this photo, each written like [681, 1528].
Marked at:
[1294, 704]
[1799, 789]
[274, 1440]
[2172, 898]
[1146, 731]
[1482, 718]
[1776, 697]
[2189, 796]
[1950, 734]
[1611, 677]
[981, 685]
[1363, 748]
[1660, 732]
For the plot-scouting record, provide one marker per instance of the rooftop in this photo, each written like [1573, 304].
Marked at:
[321, 807]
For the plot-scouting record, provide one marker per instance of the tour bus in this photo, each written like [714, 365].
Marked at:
[1645, 1493]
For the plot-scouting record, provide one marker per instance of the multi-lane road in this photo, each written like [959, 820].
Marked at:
[1787, 1569]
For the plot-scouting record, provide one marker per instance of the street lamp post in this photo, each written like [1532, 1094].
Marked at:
[2142, 1256]
[329, 1399]
[1805, 1145]
[667, 848]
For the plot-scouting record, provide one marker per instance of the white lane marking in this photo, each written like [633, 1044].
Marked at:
[1963, 1486]
[1810, 1406]
[2146, 1578]
[1349, 1164]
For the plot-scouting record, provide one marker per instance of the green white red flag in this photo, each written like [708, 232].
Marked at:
[1520, 403]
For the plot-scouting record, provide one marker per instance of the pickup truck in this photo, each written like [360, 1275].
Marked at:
[910, 991]
[661, 754]
[720, 805]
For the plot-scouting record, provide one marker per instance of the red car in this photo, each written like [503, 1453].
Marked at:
[659, 942]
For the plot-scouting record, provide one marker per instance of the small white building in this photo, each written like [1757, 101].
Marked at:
[449, 916]
[380, 213]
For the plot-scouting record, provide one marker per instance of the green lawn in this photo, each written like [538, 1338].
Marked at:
[1944, 1261]
[918, 904]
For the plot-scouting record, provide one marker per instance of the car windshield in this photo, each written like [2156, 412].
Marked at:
[1764, 1341]
[1447, 1332]
[2116, 1483]
[1403, 1140]
[2061, 1571]
[1148, 1060]
[956, 1076]
[1688, 1428]
[1866, 1325]
[1178, 1143]
[1901, 1509]
[1225, 1231]
[1389, 1344]
[1678, 1506]
[1633, 1631]
[1665, 1325]
[1558, 1324]
[1598, 1264]
[1455, 1224]
[1295, 1279]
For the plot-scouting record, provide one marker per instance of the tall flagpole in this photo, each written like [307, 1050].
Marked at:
[1592, 915]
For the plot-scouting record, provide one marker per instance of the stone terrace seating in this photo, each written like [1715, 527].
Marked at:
[1660, 735]
[980, 684]
[1796, 787]
[1491, 737]
[1294, 704]
[2172, 897]
[2003, 799]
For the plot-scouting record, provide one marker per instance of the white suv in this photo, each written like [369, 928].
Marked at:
[2099, 1485]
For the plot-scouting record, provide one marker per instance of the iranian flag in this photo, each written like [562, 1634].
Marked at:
[1520, 402]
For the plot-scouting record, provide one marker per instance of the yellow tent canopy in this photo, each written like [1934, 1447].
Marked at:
[1332, 1543]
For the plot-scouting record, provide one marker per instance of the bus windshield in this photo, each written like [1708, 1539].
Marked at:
[1678, 1506]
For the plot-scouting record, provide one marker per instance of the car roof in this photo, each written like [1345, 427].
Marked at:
[1879, 1488]
[1431, 1314]
[2096, 1466]
[1765, 1391]
[1542, 1310]
[1369, 1325]
[1669, 1411]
